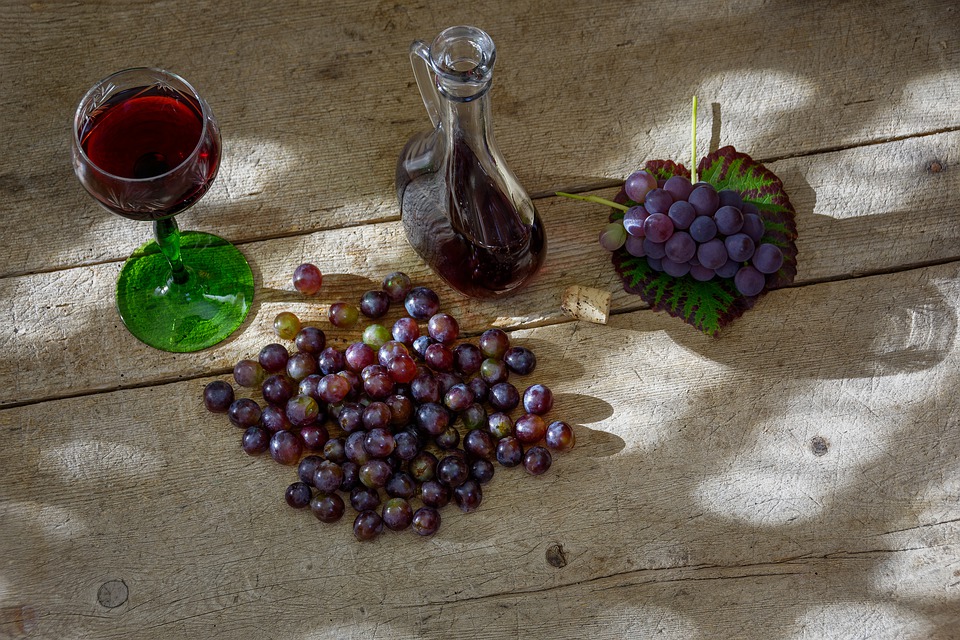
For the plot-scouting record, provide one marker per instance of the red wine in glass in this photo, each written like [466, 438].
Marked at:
[147, 146]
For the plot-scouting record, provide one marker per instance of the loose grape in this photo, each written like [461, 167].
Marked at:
[482, 470]
[439, 357]
[308, 468]
[452, 471]
[443, 327]
[363, 498]
[379, 442]
[378, 386]
[421, 303]
[376, 415]
[499, 425]
[405, 330]
[503, 396]
[244, 412]
[302, 410]
[401, 409]
[426, 521]
[402, 369]
[612, 236]
[351, 476]
[401, 485]
[307, 279]
[408, 445]
[560, 436]
[447, 380]
[537, 460]
[448, 440]
[300, 365]
[425, 388]
[520, 360]
[537, 399]
[480, 389]
[432, 418]
[334, 451]
[374, 304]
[390, 350]
[367, 525]
[255, 440]
[458, 397]
[286, 325]
[273, 357]
[298, 495]
[343, 315]
[509, 452]
[434, 494]
[359, 355]
[494, 343]
[331, 360]
[375, 473]
[328, 476]
[478, 443]
[397, 514]
[376, 335]
[396, 285]
[327, 508]
[274, 419]
[217, 396]
[286, 447]
[494, 371]
[423, 466]
[277, 389]
[529, 428]
[248, 373]
[310, 340]
[468, 496]
[638, 184]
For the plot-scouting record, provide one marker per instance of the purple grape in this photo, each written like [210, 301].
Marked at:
[482, 470]
[396, 285]
[255, 440]
[680, 247]
[218, 396]
[350, 417]
[302, 410]
[248, 373]
[537, 460]
[363, 498]
[378, 385]
[679, 187]
[426, 521]
[682, 213]
[538, 399]
[703, 229]
[310, 340]
[432, 418]
[351, 476]
[314, 437]
[499, 426]
[753, 227]
[421, 303]
[520, 360]
[374, 304]
[273, 358]
[379, 442]
[560, 436]
[343, 315]
[730, 198]
[334, 451]
[729, 220]
[439, 357]
[443, 327]
[243, 413]
[509, 452]
[468, 496]
[328, 508]
[328, 476]
[423, 466]
[658, 227]
[712, 254]
[402, 369]
[768, 258]
[286, 447]
[704, 199]
[330, 361]
[421, 344]
[633, 220]
[503, 396]
[655, 263]
[479, 444]
[652, 249]
[458, 397]
[425, 388]
[452, 471]
[658, 201]
[332, 388]
[307, 279]
[298, 495]
[434, 494]
[377, 415]
[634, 246]
[375, 473]
[494, 343]
[401, 485]
[367, 526]
[701, 273]
[749, 281]
[729, 269]
[310, 386]
[405, 330]
[613, 236]
[359, 356]
[300, 365]
[408, 445]
[675, 269]
[448, 440]
[480, 389]
[739, 246]
[467, 359]
[749, 207]
[308, 468]
[401, 409]
[397, 514]
[529, 428]
[638, 184]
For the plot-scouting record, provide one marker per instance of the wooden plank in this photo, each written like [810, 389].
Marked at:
[315, 102]
[65, 331]
[795, 478]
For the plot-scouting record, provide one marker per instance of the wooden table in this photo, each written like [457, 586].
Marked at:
[797, 477]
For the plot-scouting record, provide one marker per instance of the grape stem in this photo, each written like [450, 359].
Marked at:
[693, 144]
[595, 199]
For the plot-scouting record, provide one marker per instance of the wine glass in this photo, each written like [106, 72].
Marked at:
[146, 146]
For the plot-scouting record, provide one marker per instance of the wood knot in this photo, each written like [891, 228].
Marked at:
[819, 446]
[556, 556]
[935, 167]
[113, 593]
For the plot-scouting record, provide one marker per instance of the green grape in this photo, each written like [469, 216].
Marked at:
[376, 335]
[286, 325]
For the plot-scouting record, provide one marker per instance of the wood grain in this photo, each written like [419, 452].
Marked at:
[821, 503]
[850, 222]
[315, 102]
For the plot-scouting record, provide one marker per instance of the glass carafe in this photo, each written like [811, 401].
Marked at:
[463, 210]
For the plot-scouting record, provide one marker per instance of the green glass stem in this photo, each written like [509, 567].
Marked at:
[167, 233]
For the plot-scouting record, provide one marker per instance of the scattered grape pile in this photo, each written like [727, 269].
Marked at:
[407, 415]
[683, 228]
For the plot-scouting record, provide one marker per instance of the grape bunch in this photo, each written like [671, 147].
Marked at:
[399, 423]
[683, 228]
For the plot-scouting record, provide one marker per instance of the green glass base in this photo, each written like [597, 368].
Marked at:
[191, 316]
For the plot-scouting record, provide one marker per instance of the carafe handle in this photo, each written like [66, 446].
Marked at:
[424, 75]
